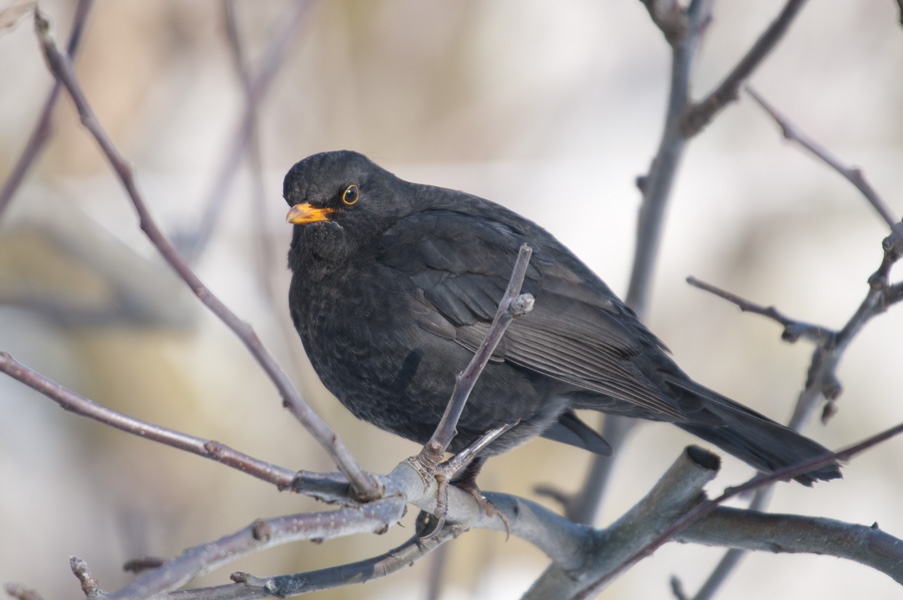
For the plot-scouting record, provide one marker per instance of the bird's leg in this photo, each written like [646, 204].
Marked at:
[467, 480]
[461, 471]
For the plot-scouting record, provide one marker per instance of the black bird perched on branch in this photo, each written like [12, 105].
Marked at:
[395, 284]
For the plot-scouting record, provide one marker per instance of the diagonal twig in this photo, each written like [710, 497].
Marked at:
[363, 571]
[264, 250]
[793, 329]
[373, 517]
[851, 174]
[511, 306]
[328, 488]
[701, 113]
[41, 132]
[365, 486]
[193, 243]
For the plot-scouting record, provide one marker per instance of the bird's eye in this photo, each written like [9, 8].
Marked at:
[351, 195]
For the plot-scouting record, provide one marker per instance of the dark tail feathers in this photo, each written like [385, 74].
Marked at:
[755, 439]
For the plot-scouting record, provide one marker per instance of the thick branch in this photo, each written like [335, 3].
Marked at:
[704, 508]
[365, 486]
[750, 530]
[679, 489]
[670, 17]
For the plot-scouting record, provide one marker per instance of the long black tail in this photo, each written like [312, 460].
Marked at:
[754, 438]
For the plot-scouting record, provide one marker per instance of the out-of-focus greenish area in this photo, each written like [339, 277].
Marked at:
[552, 109]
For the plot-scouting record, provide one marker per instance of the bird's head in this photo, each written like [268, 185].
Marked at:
[339, 202]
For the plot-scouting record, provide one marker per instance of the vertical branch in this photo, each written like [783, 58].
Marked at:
[656, 186]
[684, 31]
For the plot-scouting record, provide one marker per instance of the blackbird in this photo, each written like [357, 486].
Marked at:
[394, 285]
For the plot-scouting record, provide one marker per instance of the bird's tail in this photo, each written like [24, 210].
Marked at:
[754, 438]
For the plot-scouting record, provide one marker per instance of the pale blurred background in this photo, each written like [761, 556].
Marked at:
[552, 109]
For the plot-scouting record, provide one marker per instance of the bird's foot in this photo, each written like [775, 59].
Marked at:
[460, 471]
[447, 474]
[467, 481]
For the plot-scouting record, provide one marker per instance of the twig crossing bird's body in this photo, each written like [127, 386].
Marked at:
[394, 286]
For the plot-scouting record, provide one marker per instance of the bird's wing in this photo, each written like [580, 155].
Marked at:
[577, 332]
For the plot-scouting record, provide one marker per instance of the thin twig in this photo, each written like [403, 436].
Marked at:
[327, 488]
[701, 113]
[41, 132]
[194, 242]
[264, 250]
[373, 517]
[21, 591]
[365, 486]
[511, 306]
[793, 329]
[851, 174]
[821, 380]
[360, 572]
[90, 587]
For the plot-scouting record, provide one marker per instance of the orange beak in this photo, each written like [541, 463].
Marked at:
[305, 213]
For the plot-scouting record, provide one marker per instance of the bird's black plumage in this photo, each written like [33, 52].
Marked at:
[394, 285]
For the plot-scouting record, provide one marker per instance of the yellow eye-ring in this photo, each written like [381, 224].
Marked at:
[351, 195]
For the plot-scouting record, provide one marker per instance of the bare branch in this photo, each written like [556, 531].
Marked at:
[821, 379]
[359, 572]
[194, 242]
[364, 485]
[264, 250]
[728, 562]
[21, 592]
[751, 530]
[679, 489]
[670, 17]
[373, 517]
[511, 306]
[90, 587]
[328, 488]
[851, 174]
[656, 190]
[656, 185]
[701, 113]
[793, 330]
[41, 132]
[706, 507]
